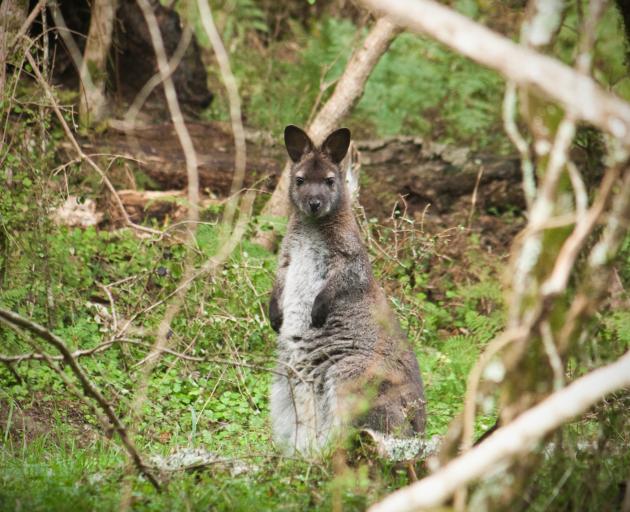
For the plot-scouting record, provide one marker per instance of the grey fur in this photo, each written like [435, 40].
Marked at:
[339, 344]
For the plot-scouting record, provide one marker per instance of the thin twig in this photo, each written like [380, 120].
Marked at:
[79, 151]
[557, 281]
[85, 77]
[473, 201]
[129, 121]
[552, 354]
[88, 387]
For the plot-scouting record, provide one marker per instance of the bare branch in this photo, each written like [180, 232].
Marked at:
[85, 76]
[88, 387]
[28, 22]
[557, 281]
[79, 151]
[235, 108]
[190, 274]
[173, 106]
[520, 436]
[11, 360]
[133, 110]
[579, 94]
[474, 377]
[347, 92]
[509, 124]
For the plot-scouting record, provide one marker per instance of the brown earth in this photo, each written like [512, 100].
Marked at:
[431, 183]
[37, 417]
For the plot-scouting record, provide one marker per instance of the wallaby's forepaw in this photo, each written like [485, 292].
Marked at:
[275, 315]
[319, 313]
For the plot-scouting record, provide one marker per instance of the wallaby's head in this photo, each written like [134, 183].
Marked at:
[317, 187]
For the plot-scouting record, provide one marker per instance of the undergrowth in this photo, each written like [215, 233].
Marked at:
[220, 404]
[54, 455]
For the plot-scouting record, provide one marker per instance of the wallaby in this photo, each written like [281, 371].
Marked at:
[339, 344]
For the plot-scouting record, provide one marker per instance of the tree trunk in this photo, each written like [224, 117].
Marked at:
[93, 73]
[347, 92]
[12, 15]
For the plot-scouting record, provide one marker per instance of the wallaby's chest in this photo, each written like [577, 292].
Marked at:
[309, 259]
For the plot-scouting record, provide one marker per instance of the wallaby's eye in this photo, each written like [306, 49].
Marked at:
[330, 181]
[299, 180]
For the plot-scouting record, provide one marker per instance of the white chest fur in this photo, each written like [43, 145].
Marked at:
[308, 268]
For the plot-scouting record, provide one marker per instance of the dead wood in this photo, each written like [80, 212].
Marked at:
[442, 177]
[423, 173]
[155, 204]
[155, 152]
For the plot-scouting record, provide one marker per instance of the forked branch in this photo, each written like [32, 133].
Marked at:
[89, 388]
[508, 442]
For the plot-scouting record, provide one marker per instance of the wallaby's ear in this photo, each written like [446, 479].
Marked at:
[336, 144]
[298, 143]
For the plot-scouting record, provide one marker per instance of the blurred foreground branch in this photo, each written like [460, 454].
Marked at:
[347, 92]
[89, 388]
[577, 93]
[175, 111]
[506, 443]
[234, 100]
[547, 319]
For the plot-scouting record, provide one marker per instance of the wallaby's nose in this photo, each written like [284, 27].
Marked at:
[314, 204]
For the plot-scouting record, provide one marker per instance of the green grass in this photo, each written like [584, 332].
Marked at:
[216, 406]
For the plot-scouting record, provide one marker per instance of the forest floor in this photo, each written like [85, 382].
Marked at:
[151, 159]
[420, 257]
[441, 205]
[441, 266]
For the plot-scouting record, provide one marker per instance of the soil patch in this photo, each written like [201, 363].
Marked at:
[442, 187]
[27, 421]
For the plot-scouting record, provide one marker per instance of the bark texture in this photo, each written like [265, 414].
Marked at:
[12, 15]
[93, 106]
